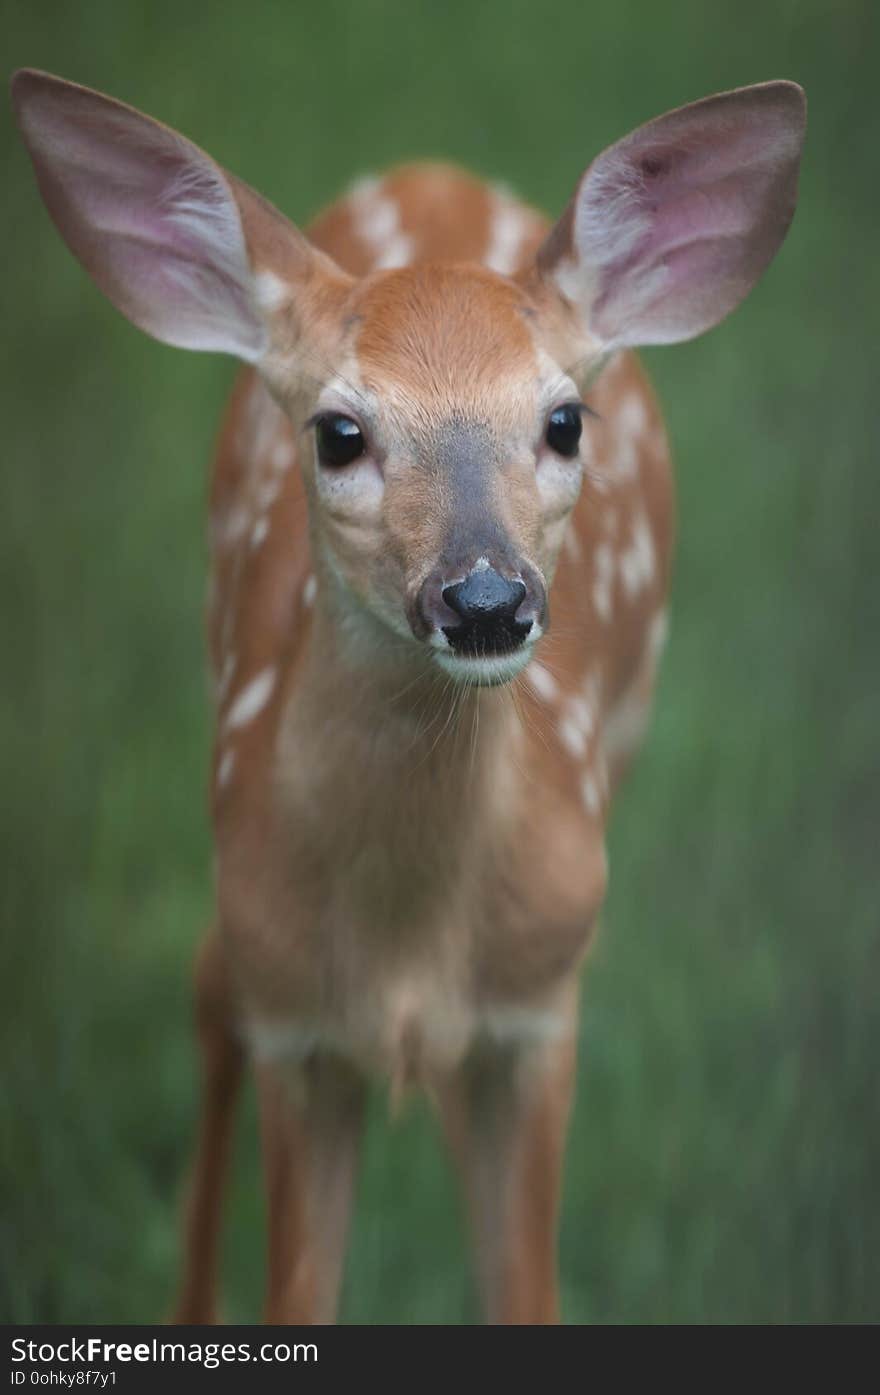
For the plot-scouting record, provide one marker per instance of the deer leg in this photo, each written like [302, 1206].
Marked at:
[311, 1120]
[505, 1115]
[221, 1064]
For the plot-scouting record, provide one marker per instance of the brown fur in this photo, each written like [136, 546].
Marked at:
[395, 859]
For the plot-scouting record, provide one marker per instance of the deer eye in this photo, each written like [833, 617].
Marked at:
[340, 440]
[564, 430]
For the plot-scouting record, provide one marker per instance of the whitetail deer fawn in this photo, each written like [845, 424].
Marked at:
[410, 783]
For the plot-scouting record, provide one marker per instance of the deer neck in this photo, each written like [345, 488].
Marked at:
[410, 770]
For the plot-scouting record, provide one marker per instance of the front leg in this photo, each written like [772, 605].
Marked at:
[311, 1122]
[505, 1114]
[221, 1068]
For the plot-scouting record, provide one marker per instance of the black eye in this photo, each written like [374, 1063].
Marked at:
[340, 440]
[564, 431]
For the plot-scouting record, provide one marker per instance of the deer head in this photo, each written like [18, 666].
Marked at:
[439, 406]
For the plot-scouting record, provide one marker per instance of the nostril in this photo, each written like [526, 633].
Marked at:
[486, 604]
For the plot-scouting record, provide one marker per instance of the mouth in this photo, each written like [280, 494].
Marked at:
[482, 629]
[484, 671]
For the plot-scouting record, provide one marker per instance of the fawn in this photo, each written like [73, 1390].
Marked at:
[410, 783]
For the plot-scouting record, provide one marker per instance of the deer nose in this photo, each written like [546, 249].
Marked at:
[486, 603]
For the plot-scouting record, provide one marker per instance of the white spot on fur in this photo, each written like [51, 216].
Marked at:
[658, 634]
[572, 738]
[543, 682]
[229, 526]
[225, 678]
[522, 1024]
[267, 493]
[579, 718]
[310, 590]
[590, 794]
[261, 529]
[225, 769]
[398, 252]
[638, 562]
[632, 417]
[509, 228]
[272, 292]
[581, 713]
[376, 219]
[252, 699]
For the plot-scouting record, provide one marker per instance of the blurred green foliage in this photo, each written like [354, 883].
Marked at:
[724, 1163]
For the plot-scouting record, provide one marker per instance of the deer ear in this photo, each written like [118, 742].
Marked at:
[671, 227]
[165, 233]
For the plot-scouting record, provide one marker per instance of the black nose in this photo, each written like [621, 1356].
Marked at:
[487, 603]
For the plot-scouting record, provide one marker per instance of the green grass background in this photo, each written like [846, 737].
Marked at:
[724, 1162]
